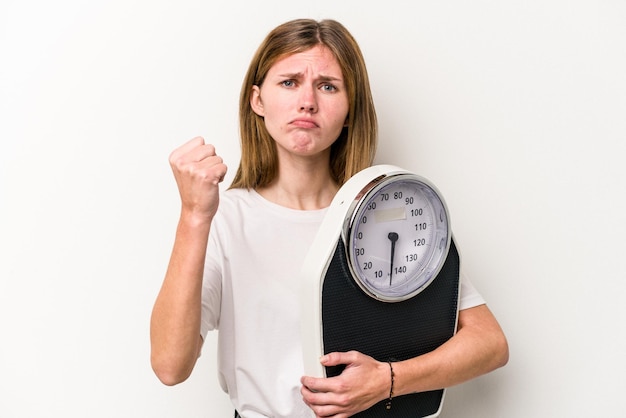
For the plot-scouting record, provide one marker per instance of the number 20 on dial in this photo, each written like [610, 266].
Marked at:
[397, 237]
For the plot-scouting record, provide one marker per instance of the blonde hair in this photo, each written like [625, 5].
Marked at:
[355, 147]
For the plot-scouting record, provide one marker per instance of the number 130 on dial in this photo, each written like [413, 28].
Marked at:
[397, 237]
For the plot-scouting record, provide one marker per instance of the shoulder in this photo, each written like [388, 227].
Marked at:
[233, 202]
[243, 199]
[235, 197]
[231, 217]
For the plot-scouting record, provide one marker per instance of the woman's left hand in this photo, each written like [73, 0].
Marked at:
[363, 383]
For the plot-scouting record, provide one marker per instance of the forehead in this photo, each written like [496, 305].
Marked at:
[318, 60]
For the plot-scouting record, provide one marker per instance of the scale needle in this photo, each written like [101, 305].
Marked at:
[393, 237]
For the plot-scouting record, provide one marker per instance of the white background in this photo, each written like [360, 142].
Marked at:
[516, 110]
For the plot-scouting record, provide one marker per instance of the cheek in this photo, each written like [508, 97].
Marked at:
[275, 110]
[273, 124]
[341, 119]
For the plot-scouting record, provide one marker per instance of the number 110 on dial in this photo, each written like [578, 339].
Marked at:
[398, 237]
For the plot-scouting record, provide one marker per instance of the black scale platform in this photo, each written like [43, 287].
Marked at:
[352, 320]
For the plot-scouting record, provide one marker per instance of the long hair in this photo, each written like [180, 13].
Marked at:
[355, 147]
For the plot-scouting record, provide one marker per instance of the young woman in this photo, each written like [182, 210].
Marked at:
[307, 124]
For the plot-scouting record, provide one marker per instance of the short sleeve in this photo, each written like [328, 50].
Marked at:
[469, 297]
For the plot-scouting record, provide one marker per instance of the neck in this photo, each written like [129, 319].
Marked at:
[305, 188]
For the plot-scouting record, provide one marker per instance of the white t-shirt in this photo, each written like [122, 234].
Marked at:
[251, 295]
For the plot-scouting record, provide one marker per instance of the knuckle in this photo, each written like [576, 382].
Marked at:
[174, 158]
[343, 400]
[177, 166]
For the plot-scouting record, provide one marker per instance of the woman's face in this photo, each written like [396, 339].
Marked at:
[303, 101]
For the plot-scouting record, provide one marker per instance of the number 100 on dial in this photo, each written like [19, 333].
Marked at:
[397, 237]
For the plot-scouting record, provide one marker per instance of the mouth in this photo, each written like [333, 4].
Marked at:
[304, 123]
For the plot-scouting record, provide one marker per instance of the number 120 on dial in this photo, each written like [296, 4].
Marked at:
[397, 237]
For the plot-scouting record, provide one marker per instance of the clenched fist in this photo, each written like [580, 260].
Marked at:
[198, 171]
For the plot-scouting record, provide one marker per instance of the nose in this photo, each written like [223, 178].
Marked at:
[308, 101]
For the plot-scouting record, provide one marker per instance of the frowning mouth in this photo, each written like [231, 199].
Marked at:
[304, 123]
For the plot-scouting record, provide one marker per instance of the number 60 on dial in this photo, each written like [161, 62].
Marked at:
[397, 236]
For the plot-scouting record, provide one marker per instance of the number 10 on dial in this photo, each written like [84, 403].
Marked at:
[397, 237]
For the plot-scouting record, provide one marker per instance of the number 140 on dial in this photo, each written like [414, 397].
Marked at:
[398, 237]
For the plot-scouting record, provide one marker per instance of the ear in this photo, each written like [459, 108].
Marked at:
[255, 101]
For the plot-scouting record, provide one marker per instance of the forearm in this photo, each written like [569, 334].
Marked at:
[175, 323]
[478, 347]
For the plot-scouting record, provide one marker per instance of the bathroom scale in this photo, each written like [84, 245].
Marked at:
[382, 278]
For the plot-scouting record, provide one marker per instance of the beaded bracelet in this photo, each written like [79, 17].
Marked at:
[388, 406]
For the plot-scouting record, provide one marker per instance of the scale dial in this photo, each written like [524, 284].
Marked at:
[397, 237]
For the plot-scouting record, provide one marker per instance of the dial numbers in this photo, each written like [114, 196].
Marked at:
[397, 236]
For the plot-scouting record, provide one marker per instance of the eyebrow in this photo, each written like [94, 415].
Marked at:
[301, 75]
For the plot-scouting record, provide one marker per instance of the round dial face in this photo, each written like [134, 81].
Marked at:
[398, 237]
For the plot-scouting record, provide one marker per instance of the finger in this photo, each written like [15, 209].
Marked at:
[317, 387]
[337, 358]
[186, 156]
[211, 169]
[188, 146]
[197, 154]
[202, 152]
[328, 409]
[220, 172]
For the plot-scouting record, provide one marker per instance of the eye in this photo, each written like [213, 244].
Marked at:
[288, 83]
[327, 87]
